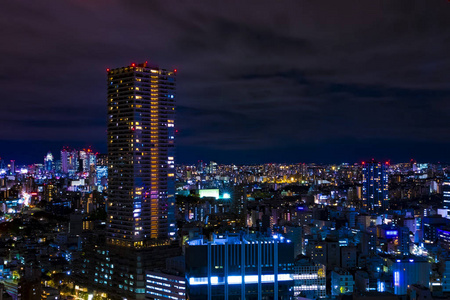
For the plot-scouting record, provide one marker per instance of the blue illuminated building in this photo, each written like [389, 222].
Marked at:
[48, 161]
[160, 285]
[240, 266]
[391, 233]
[430, 226]
[102, 175]
[406, 271]
[443, 236]
[375, 186]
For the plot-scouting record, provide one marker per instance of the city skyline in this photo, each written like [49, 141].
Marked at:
[155, 150]
[306, 83]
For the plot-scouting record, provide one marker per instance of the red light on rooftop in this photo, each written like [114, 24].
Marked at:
[175, 70]
[107, 70]
[133, 65]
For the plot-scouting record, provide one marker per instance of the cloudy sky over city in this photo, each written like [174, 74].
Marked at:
[260, 81]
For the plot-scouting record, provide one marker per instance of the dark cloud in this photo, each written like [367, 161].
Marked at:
[258, 81]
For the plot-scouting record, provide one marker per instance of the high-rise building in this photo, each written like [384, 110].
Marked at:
[446, 193]
[310, 279]
[141, 182]
[237, 266]
[341, 282]
[141, 120]
[13, 167]
[48, 160]
[65, 161]
[406, 271]
[375, 185]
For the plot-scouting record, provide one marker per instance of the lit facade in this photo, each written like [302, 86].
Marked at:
[375, 186]
[407, 271]
[141, 111]
[443, 236]
[446, 194]
[310, 281]
[120, 272]
[65, 156]
[239, 266]
[161, 286]
[48, 162]
[341, 283]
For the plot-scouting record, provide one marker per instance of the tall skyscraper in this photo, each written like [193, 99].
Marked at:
[375, 185]
[48, 161]
[446, 193]
[65, 161]
[13, 167]
[141, 120]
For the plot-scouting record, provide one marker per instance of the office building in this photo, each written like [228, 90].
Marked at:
[406, 271]
[310, 279]
[341, 282]
[366, 282]
[240, 266]
[119, 271]
[86, 160]
[375, 186]
[404, 240]
[13, 167]
[141, 111]
[446, 193]
[446, 277]
[140, 206]
[48, 162]
[161, 286]
[65, 161]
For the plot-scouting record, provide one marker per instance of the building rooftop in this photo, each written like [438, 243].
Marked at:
[238, 238]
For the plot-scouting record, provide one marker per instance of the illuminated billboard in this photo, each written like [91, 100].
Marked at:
[391, 233]
[211, 193]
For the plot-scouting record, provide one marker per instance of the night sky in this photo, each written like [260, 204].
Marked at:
[268, 81]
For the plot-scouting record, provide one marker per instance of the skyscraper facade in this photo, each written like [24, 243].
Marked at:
[375, 186]
[238, 266]
[65, 161]
[446, 193]
[141, 111]
[48, 161]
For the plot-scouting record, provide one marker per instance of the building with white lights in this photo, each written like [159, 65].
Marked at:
[240, 266]
[162, 286]
[375, 186]
[310, 279]
[446, 194]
